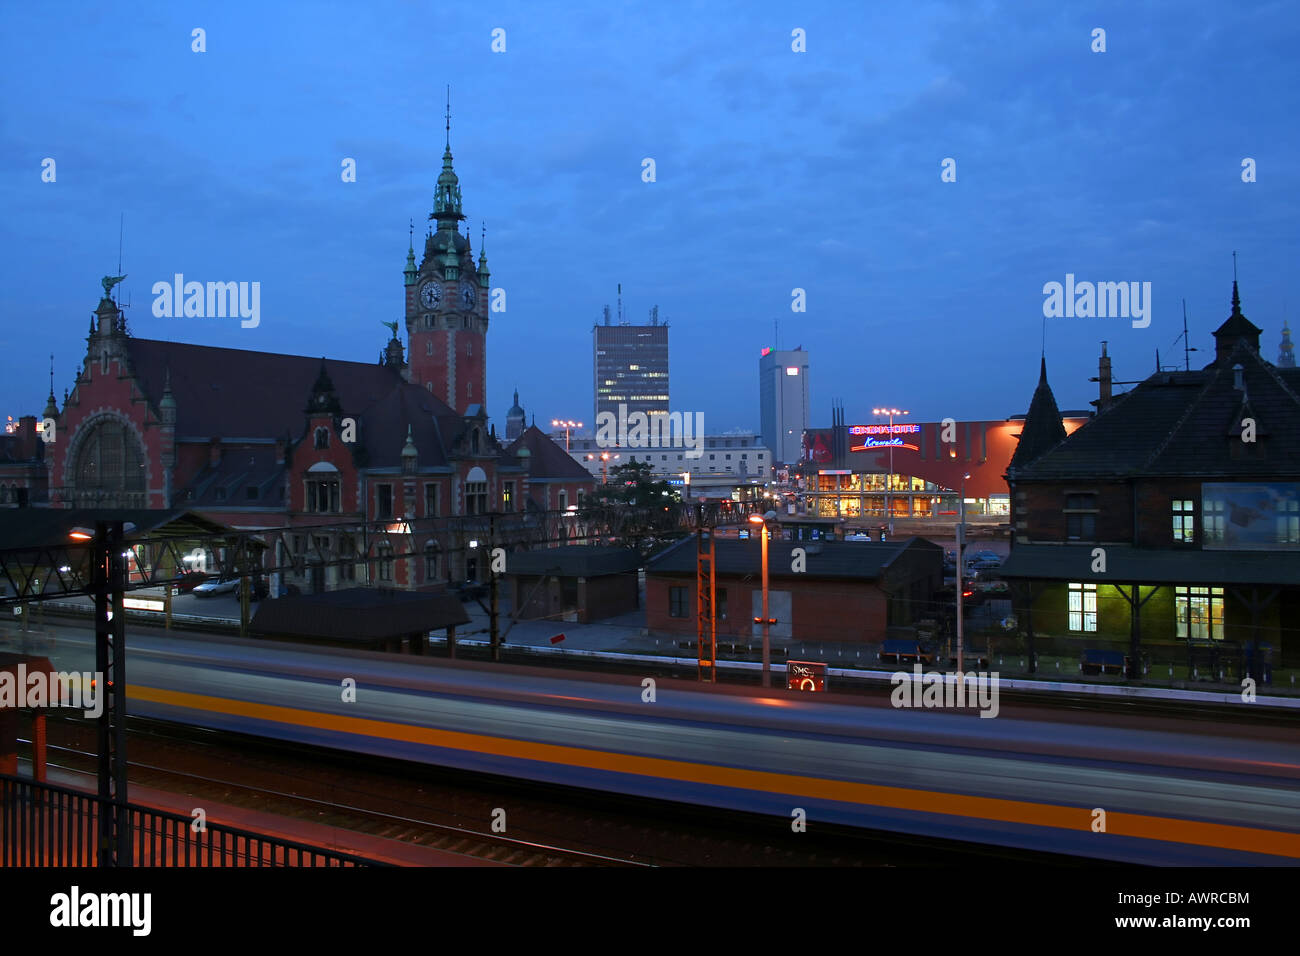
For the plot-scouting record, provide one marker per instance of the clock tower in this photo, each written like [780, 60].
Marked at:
[447, 302]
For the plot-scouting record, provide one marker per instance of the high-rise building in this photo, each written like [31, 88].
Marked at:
[630, 367]
[783, 402]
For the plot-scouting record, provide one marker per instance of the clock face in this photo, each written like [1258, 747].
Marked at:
[431, 295]
[467, 296]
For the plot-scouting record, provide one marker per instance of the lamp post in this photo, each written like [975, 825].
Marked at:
[961, 561]
[566, 425]
[766, 620]
[891, 412]
[604, 457]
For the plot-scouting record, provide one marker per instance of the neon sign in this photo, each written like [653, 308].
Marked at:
[870, 443]
[884, 430]
[806, 675]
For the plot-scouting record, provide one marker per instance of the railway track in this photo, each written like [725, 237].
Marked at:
[452, 810]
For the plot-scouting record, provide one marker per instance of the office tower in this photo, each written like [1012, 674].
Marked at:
[783, 401]
[630, 367]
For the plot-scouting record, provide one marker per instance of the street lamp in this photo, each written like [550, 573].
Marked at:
[961, 560]
[891, 412]
[566, 425]
[765, 620]
[604, 457]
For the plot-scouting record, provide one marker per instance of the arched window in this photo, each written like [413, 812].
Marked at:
[109, 465]
[322, 437]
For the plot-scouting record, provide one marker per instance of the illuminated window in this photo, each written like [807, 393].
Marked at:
[1083, 607]
[508, 496]
[1198, 613]
[1288, 522]
[792, 370]
[1184, 521]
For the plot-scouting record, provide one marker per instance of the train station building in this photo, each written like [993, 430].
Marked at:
[402, 447]
[1167, 529]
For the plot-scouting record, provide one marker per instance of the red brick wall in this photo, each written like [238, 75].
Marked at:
[606, 596]
[822, 610]
[1039, 515]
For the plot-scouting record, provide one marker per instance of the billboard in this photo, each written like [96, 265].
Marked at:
[1251, 517]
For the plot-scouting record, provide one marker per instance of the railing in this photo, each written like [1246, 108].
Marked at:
[46, 825]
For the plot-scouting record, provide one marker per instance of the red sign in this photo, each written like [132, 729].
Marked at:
[806, 675]
[557, 638]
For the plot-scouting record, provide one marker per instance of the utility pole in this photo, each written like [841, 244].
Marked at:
[961, 561]
[492, 585]
[107, 570]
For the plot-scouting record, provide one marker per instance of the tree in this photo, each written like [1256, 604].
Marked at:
[635, 507]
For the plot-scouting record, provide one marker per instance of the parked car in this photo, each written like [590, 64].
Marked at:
[187, 581]
[983, 560]
[224, 585]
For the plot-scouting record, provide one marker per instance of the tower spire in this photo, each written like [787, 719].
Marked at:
[449, 126]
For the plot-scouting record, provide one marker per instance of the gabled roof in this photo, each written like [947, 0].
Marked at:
[358, 615]
[245, 394]
[34, 527]
[262, 395]
[546, 458]
[575, 560]
[227, 484]
[860, 560]
[1182, 423]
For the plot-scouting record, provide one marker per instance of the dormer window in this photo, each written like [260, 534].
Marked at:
[322, 437]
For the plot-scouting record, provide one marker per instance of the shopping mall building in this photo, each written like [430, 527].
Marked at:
[849, 471]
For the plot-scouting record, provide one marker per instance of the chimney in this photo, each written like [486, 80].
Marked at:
[214, 452]
[1104, 379]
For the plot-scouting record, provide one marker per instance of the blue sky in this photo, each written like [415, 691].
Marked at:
[775, 170]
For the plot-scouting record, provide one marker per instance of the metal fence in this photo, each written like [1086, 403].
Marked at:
[46, 825]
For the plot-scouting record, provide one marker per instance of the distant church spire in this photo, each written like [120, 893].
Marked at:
[1286, 357]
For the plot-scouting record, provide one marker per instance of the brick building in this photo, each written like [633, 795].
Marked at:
[850, 590]
[392, 463]
[581, 583]
[1169, 525]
